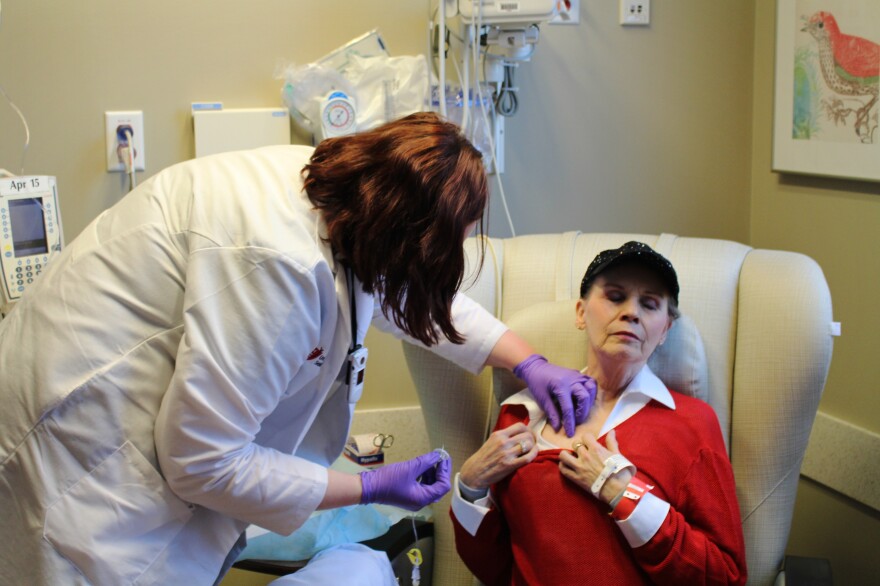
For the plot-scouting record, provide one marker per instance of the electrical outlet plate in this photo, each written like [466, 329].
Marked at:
[635, 12]
[114, 120]
[574, 13]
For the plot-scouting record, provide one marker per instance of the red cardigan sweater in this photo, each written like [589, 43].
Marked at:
[547, 531]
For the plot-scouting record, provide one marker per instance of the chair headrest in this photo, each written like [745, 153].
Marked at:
[550, 328]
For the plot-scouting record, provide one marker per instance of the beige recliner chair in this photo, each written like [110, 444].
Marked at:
[754, 341]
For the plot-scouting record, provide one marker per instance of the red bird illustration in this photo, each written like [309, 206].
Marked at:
[850, 66]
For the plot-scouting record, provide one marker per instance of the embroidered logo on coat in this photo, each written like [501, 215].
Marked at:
[317, 355]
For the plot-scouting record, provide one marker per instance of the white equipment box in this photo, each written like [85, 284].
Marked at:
[220, 131]
[507, 11]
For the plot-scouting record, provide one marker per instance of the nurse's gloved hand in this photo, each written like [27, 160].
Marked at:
[409, 485]
[565, 395]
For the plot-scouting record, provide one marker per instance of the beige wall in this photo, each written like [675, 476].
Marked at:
[636, 129]
[66, 63]
[659, 129]
[837, 222]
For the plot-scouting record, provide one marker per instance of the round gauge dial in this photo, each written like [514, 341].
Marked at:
[338, 116]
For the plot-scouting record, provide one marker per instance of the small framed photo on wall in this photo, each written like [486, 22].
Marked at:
[826, 88]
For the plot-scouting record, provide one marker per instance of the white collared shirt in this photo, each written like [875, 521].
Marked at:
[648, 516]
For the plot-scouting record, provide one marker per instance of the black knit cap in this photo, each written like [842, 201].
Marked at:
[635, 252]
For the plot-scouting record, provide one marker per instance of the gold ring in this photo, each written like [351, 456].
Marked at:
[522, 447]
[576, 445]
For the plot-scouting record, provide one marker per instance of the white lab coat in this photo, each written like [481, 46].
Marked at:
[171, 378]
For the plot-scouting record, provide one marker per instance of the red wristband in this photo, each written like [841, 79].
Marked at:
[633, 492]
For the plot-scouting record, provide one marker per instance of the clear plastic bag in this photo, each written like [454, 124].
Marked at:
[382, 88]
[305, 88]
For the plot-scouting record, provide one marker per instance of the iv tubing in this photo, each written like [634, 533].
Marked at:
[27, 130]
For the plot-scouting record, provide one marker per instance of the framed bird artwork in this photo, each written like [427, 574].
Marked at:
[826, 109]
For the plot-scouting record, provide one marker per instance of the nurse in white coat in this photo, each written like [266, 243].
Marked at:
[178, 372]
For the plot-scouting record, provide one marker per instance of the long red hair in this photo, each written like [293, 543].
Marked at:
[398, 201]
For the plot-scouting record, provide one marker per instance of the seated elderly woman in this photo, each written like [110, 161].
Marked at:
[644, 494]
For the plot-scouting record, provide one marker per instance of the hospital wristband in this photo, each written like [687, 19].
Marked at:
[613, 464]
[629, 499]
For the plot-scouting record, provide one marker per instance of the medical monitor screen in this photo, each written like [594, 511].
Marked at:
[28, 226]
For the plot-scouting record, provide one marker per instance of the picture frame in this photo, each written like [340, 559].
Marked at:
[826, 105]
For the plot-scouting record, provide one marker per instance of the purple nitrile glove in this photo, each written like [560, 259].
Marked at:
[565, 395]
[409, 485]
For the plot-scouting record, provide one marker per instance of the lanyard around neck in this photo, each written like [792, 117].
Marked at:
[352, 306]
[357, 354]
